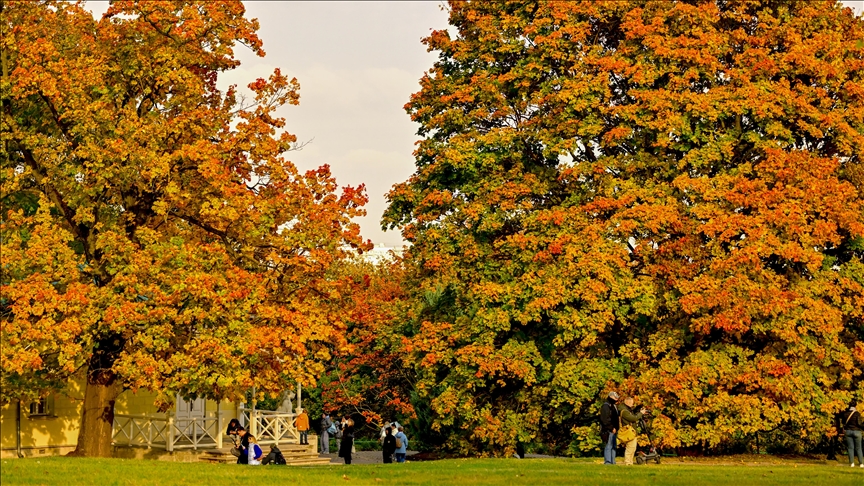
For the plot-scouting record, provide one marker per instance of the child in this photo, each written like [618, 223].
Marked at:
[254, 452]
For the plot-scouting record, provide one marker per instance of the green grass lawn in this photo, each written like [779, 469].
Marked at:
[510, 472]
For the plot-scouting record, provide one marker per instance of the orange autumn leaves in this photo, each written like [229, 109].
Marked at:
[662, 198]
[153, 232]
[658, 197]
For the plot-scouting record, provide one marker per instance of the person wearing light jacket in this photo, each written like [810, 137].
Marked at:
[402, 445]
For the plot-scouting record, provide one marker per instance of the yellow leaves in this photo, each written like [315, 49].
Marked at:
[145, 215]
[670, 202]
[858, 352]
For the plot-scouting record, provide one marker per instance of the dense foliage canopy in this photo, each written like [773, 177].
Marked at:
[662, 198]
[153, 235]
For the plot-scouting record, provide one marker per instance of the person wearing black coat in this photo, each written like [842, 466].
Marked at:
[243, 446]
[852, 427]
[347, 440]
[389, 446]
[609, 423]
[233, 427]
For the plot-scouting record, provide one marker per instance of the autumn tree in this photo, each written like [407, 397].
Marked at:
[662, 198]
[154, 237]
[372, 375]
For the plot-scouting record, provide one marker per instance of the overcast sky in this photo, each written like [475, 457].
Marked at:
[357, 64]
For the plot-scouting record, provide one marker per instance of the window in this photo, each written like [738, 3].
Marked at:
[42, 407]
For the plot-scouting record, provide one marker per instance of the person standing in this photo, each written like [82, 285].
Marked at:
[326, 423]
[338, 434]
[389, 445]
[853, 426]
[347, 440]
[609, 422]
[628, 432]
[401, 445]
[302, 424]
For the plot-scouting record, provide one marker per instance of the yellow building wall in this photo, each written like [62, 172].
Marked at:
[58, 432]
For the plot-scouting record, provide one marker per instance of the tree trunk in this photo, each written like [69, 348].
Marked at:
[94, 437]
[103, 388]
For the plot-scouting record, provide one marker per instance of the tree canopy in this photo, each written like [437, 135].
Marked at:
[153, 234]
[662, 198]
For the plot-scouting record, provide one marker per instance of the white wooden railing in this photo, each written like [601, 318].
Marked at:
[164, 432]
[270, 427]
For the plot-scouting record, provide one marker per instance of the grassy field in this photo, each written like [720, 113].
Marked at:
[510, 472]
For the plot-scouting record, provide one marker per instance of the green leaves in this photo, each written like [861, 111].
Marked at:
[664, 199]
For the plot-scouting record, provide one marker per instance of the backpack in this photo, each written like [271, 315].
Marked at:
[398, 443]
[332, 429]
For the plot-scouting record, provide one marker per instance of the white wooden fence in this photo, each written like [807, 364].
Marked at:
[270, 427]
[163, 432]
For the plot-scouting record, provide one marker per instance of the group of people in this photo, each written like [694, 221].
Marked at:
[247, 450]
[618, 423]
[394, 443]
[393, 439]
[342, 431]
[246, 447]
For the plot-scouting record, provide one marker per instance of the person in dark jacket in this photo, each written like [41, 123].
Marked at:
[231, 432]
[609, 423]
[233, 426]
[853, 425]
[389, 446]
[274, 457]
[243, 446]
[347, 440]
